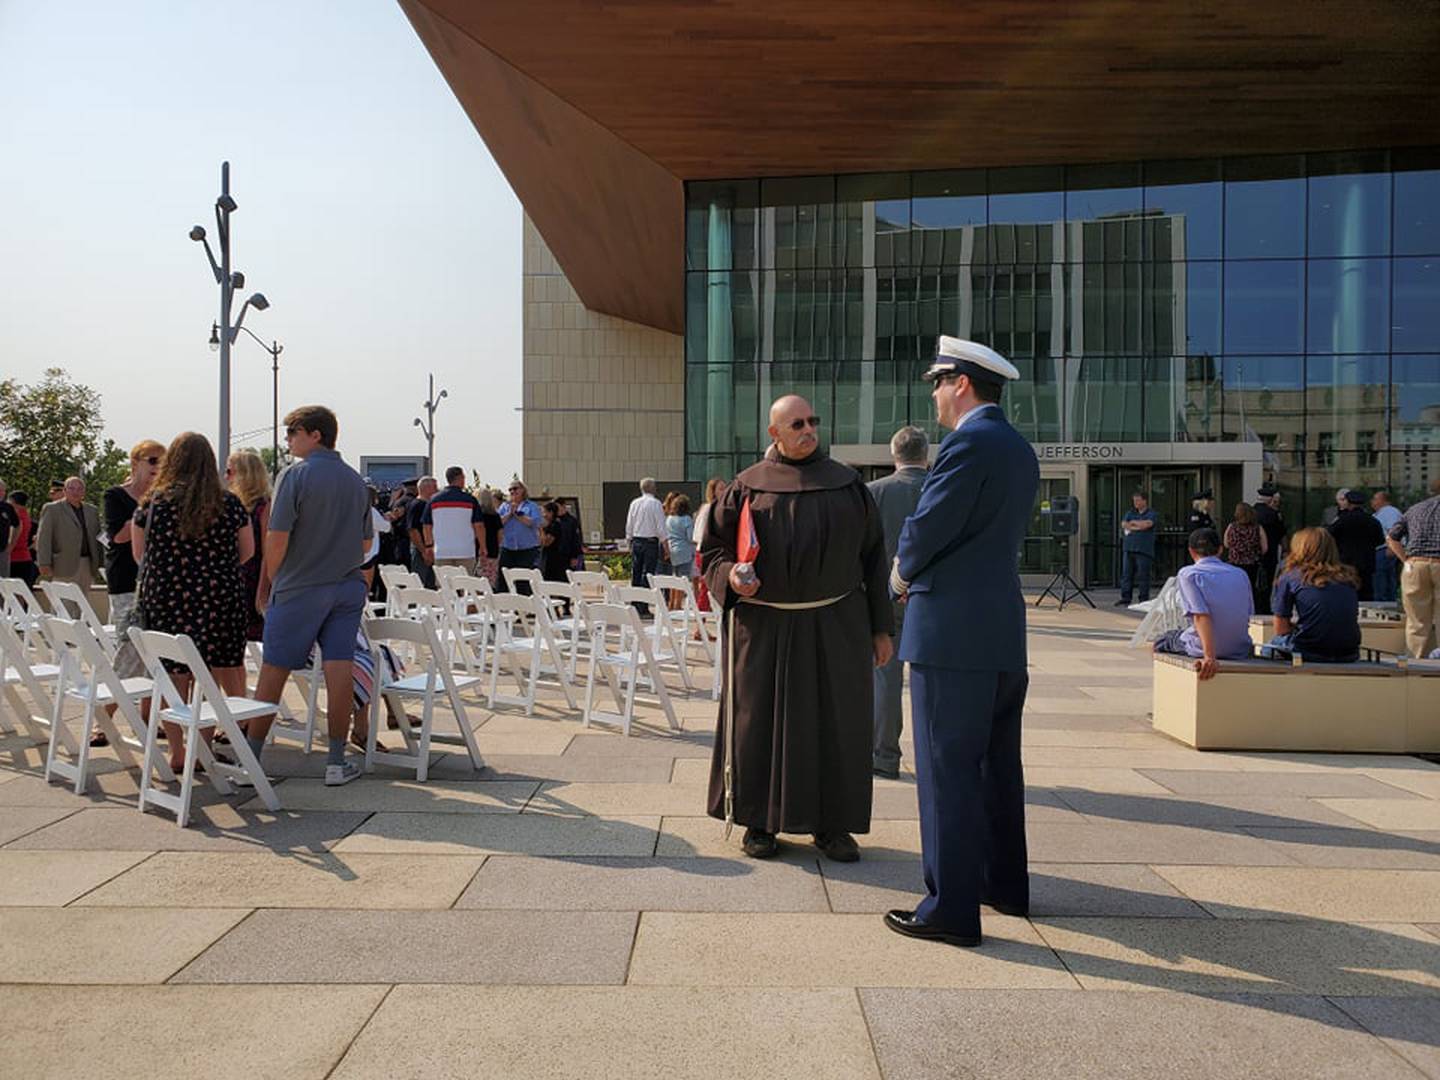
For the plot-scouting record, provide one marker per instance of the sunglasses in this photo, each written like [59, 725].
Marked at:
[289, 431]
[804, 422]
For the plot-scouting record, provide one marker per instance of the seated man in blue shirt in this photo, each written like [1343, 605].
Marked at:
[1218, 601]
[1317, 602]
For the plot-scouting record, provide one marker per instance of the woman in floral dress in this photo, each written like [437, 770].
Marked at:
[194, 536]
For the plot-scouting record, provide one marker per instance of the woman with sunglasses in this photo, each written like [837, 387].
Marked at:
[119, 506]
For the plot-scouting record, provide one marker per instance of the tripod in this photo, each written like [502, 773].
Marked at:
[1062, 586]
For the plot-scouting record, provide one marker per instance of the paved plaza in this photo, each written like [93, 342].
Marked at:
[570, 912]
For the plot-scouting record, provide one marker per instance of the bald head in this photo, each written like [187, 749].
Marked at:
[794, 427]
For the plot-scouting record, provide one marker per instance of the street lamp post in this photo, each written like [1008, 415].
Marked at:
[229, 282]
[274, 349]
[431, 404]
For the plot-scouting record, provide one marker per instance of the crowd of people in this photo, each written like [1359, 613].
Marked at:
[1327, 573]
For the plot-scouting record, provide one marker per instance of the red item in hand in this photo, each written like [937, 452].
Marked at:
[747, 544]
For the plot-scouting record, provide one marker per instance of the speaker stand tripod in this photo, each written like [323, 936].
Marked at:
[1064, 588]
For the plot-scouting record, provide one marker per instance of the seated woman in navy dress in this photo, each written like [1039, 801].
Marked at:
[1316, 601]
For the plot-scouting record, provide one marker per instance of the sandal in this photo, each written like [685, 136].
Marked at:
[359, 742]
[99, 738]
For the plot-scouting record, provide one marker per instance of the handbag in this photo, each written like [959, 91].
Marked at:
[127, 662]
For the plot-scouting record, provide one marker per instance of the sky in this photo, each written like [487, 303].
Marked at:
[370, 214]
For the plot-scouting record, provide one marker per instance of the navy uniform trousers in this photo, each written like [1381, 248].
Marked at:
[972, 792]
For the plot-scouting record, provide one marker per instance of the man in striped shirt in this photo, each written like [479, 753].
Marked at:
[453, 525]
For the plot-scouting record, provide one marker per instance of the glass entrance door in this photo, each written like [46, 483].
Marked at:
[1043, 553]
[1169, 489]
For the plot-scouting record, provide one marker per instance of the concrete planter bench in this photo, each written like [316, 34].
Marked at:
[1382, 635]
[1383, 708]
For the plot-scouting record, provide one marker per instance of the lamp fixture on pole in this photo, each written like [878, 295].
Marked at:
[431, 404]
[274, 349]
[223, 333]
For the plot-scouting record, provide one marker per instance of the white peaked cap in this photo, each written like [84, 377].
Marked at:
[954, 355]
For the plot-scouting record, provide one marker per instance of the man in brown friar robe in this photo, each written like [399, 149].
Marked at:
[805, 634]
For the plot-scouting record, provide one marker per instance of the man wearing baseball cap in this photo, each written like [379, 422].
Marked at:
[1357, 535]
[957, 568]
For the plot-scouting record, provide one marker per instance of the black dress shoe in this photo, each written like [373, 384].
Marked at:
[886, 774]
[905, 922]
[838, 846]
[1122, 602]
[759, 844]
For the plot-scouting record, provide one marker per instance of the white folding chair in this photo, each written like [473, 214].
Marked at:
[569, 629]
[595, 583]
[21, 673]
[622, 668]
[24, 613]
[667, 646]
[526, 647]
[69, 601]
[394, 577]
[471, 620]
[445, 574]
[437, 676]
[206, 708]
[514, 575]
[705, 623]
[87, 676]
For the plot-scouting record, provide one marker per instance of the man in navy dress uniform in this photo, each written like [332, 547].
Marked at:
[957, 566]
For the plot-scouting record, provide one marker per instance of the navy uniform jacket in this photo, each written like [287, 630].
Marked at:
[960, 550]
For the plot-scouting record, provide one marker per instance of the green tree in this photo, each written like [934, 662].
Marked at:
[51, 430]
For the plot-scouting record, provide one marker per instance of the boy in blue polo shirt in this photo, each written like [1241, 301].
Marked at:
[320, 529]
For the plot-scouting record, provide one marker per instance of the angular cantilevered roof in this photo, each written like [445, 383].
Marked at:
[597, 111]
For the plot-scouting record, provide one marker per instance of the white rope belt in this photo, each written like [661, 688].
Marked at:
[801, 605]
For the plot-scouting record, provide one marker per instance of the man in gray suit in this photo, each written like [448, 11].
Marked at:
[896, 496]
[67, 547]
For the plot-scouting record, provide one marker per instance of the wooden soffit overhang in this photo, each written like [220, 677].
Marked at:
[597, 111]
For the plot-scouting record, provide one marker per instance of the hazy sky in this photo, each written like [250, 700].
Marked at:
[370, 214]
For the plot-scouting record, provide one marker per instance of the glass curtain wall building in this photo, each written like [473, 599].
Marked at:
[1176, 324]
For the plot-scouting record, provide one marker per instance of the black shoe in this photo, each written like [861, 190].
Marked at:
[838, 846]
[1020, 911]
[905, 922]
[759, 844]
[886, 774]
[1122, 602]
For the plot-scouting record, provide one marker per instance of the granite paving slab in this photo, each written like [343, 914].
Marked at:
[502, 834]
[1246, 955]
[584, 1033]
[498, 947]
[1422, 779]
[1304, 785]
[1022, 1035]
[569, 768]
[18, 821]
[1359, 847]
[286, 759]
[681, 836]
[55, 878]
[559, 797]
[1257, 892]
[1055, 889]
[105, 946]
[554, 742]
[1211, 811]
[407, 796]
[1401, 815]
[646, 884]
[1409, 1026]
[113, 787]
[1110, 841]
[1102, 739]
[1112, 780]
[212, 828]
[677, 745]
[197, 879]
[303, 1031]
[1069, 721]
[675, 949]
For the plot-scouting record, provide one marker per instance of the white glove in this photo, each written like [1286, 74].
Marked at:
[898, 585]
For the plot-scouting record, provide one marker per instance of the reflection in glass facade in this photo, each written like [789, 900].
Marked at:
[1292, 301]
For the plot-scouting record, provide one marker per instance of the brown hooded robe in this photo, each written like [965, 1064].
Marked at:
[803, 679]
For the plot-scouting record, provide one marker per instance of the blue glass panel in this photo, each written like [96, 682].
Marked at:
[1033, 402]
[1417, 213]
[1348, 307]
[799, 230]
[1264, 307]
[1027, 207]
[1104, 209]
[945, 209]
[1184, 200]
[874, 219]
[722, 409]
[1415, 404]
[1349, 213]
[1196, 295]
[1416, 312]
[1345, 402]
[1104, 399]
[1263, 399]
[1264, 208]
[721, 224]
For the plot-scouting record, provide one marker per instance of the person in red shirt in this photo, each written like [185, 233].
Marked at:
[22, 561]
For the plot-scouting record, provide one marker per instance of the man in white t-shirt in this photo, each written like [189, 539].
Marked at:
[453, 525]
[645, 536]
[1387, 569]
